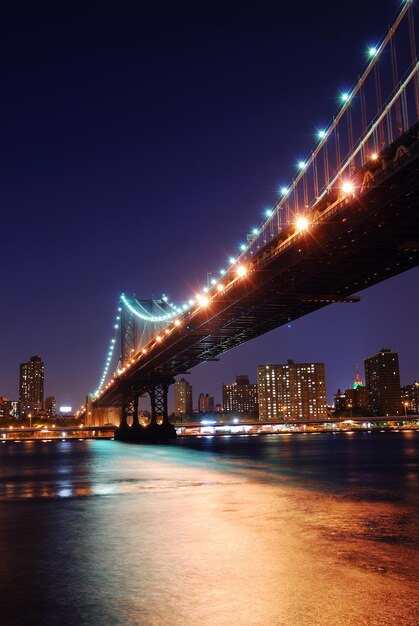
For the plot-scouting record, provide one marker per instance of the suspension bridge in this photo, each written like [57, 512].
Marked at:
[347, 221]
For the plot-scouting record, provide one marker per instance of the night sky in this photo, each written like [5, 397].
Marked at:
[139, 143]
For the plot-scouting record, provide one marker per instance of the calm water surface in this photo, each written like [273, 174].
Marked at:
[287, 530]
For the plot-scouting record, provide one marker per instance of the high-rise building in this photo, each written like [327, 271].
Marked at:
[183, 398]
[339, 401]
[383, 381]
[31, 386]
[292, 391]
[50, 407]
[356, 398]
[241, 396]
[205, 403]
[410, 399]
[8, 408]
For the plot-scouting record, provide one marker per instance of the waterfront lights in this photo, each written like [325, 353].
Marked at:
[177, 322]
[222, 272]
[284, 191]
[205, 289]
[268, 212]
[232, 260]
[220, 287]
[374, 156]
[372, 51]
[344, 97]
[255, 231]
[158, 338]
[302, 223]
[241, 271]
[242, 247]
[321, 134]
[301, 165]
[347, 187]
[213, 281]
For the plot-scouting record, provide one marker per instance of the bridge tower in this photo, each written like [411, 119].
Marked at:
[135, 333]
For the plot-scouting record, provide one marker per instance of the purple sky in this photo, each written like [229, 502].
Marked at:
[140, 141]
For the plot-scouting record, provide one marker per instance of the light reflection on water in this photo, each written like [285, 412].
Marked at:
[269, 530]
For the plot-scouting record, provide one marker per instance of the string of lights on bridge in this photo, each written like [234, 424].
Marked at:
[236, 267]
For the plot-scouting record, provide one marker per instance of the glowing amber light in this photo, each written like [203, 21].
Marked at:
[144, 351]
[347, 187]
[158, 338]
[220, 287]
[202, 300]
[302, 223]
[374, 156]
[177, 323]
[241, 271]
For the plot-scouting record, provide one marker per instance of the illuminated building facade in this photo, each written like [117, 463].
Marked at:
[383, 381]
[8, 408]
[292, 391]
[183, 398]
[50, 407]
[410, 398]
[241, 396]
[31, 386]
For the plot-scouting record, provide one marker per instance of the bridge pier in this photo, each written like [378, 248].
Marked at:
[159, 429]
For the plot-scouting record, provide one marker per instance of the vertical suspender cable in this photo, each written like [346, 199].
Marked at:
[395, 82]
[363, 123]
[413, 54]
[378, 98]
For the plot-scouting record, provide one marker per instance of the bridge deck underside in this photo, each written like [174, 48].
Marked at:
[360, 242]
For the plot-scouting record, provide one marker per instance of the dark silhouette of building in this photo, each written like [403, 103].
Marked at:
[241, 396]
[292, 391]
[339, 401]
[382, 377]
[205, 403]
[183, 398]
[31, 386]
[356, 398]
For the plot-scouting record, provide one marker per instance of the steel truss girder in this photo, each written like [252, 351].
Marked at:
[158, 398]
[129, 404]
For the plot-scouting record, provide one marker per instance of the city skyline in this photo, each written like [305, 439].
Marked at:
[96, 176]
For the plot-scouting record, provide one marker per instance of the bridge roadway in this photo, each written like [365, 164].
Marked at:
[353, 242]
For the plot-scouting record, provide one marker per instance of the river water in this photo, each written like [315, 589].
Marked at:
[275, 530]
